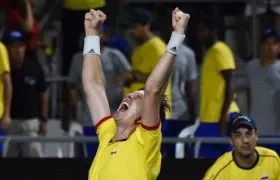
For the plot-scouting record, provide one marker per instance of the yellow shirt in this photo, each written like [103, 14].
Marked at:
[83, 4]
[266, 168]
[144, 59]
[212, 85]
[137, 158]
[4, 68]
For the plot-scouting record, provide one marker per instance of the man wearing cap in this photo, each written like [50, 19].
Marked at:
[5, 91]
[263, 83]
[114, 64]
[29, 102]
[146, 55]
[246, 161]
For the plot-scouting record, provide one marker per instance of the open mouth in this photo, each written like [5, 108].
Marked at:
[124, 107]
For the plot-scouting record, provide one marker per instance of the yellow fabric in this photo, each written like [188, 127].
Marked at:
[83, 4]
[144, 59]
[137, 158]
[4, 68]
[226, 169]
[212, 89]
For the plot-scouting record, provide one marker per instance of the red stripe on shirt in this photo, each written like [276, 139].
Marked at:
[102, 120]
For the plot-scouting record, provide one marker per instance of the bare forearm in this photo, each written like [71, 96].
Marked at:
[72, 99]
[28, 21]
[7, 93]
[92, 75]
[161, 73]
[44, 104]
[228, 97]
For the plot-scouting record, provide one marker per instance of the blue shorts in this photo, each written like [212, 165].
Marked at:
[90, 148]
[2, 133]
[210, 150]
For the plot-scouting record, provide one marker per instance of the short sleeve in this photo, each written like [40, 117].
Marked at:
[191, 69]
[74, 73]
[149, 140]
[4, 60]
[121, 62]
[41, 83]
[224, 59]
[151, 59]
[105, 129]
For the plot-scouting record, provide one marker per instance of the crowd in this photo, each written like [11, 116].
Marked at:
[204, 93]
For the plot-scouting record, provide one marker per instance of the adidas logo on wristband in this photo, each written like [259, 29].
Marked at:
[174, 49]
[91, 51]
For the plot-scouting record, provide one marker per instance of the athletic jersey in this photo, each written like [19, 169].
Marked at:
[267, 167]
[212, 86]
[4, 68]
[144, 59]
[137, 157]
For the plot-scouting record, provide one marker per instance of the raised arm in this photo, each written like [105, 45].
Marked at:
[92, 75]
[157, 81]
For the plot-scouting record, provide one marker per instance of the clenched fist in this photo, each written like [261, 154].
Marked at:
[93, 22]
[180, 21]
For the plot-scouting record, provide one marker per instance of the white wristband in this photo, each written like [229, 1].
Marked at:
[175, 43]
[92, 45]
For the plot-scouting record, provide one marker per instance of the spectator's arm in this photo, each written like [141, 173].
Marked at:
[6, 79]
[225, 64]
[41, 89]
[73, 81]
[191, 76]
[26, 24]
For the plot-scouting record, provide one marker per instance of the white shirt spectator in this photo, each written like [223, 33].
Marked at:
[185, 70]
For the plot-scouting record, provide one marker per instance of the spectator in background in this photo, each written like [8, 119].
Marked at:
[74, 10]
[183, 85]
[263, 75]
[114, 65]
[20, 17]
[29, 101]
[143, 61]
[216, 91]
[5, 91]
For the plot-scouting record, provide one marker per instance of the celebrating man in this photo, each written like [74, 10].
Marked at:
[129, 140]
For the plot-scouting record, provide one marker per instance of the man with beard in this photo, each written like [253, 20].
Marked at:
[246, 161]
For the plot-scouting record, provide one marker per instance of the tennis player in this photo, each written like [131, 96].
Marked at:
[246, 161]
[129, 141]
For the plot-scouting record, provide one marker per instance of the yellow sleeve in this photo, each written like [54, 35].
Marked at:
[4, 59]
[151, 59]
[224, 59]
[211, 173]
[149, 139]
[105, 129]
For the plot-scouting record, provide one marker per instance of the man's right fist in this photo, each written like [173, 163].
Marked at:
[93, 22]
[180, 21]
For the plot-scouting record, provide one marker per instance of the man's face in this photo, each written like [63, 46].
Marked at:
[16, 53]
[130, 109]
[244, 141]
[270, 47]
[137, 31]
[202, 33]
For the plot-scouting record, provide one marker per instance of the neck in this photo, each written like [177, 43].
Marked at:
[245, 162]
[123, 133]
[148, 35]
[210, 42]
[268, 61]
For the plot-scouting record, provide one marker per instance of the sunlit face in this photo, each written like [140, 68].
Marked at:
[130, 109]
[270, 47]
[244, 141]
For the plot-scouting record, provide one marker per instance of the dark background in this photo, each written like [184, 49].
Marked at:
[77, 169]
